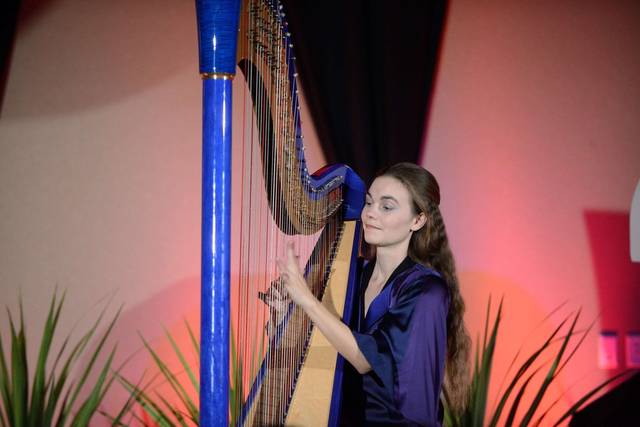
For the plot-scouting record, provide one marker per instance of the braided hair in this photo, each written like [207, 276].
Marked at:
[429, 246]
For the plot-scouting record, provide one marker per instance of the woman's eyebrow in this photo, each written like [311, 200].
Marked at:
[384, 197]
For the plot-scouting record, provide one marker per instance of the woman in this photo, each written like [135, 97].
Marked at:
[410, 311]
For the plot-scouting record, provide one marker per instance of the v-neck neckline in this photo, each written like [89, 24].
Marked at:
[368, 272]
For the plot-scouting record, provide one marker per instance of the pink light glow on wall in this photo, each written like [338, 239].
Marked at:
[532, 125]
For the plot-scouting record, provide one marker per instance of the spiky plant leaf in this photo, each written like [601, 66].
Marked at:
[521, 372]
[89, 368]
[5, 389]
[19, 372]
[550, 375]
[484, 373]
[40, 387]
[90, 405]
[175, 384]
[178, 415]
[146, 402]
[35, 407]
[518, 398]
[183, 361]
[194, 341]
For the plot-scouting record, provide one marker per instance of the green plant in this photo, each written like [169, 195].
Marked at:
[163, 411]
[474, 414]
[53, 396]
[184, 412]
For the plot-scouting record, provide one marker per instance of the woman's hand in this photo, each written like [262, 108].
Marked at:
[293, 280]
[338, 334]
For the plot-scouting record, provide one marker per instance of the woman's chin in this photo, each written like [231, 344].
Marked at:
[371, 240]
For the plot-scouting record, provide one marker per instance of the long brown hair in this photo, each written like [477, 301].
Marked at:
[430, 246]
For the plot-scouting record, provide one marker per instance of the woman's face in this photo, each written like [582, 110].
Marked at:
[388, 216]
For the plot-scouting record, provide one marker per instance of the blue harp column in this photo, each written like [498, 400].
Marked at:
[217, 33]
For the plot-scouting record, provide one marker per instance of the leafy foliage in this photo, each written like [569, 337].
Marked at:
[474, 414]
[169, 413]
[53, 396]
[161, 410]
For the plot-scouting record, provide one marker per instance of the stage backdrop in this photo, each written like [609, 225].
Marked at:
[533, 136]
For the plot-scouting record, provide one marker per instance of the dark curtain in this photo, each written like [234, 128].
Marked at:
[367, 68]
[8, 18]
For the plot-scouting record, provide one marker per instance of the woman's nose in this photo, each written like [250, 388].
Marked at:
[369, 212]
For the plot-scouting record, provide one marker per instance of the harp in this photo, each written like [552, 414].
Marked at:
[262, 362]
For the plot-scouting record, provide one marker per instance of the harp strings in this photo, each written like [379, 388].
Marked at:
[275, 208]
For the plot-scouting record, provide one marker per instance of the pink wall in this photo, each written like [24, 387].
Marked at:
[534, 127]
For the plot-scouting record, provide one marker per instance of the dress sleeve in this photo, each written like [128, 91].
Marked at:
[407, 349]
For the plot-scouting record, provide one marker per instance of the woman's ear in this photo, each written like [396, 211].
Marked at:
[419, 222]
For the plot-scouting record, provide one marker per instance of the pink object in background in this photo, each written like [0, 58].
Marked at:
[608, 350]
[632, 349]
[634, 225]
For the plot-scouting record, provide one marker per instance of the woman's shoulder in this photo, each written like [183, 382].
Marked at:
[424, 271]
[420, 279]
[420, 273]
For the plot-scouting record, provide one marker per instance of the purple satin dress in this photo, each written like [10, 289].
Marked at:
[404, 338]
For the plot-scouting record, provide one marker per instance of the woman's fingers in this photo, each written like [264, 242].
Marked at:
[295, 286]
[289, 268]
[291, 253]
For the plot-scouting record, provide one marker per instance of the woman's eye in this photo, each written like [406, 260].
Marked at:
[367, 202]
[387, 207]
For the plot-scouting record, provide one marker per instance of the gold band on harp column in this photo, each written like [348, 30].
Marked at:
[216, 76]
